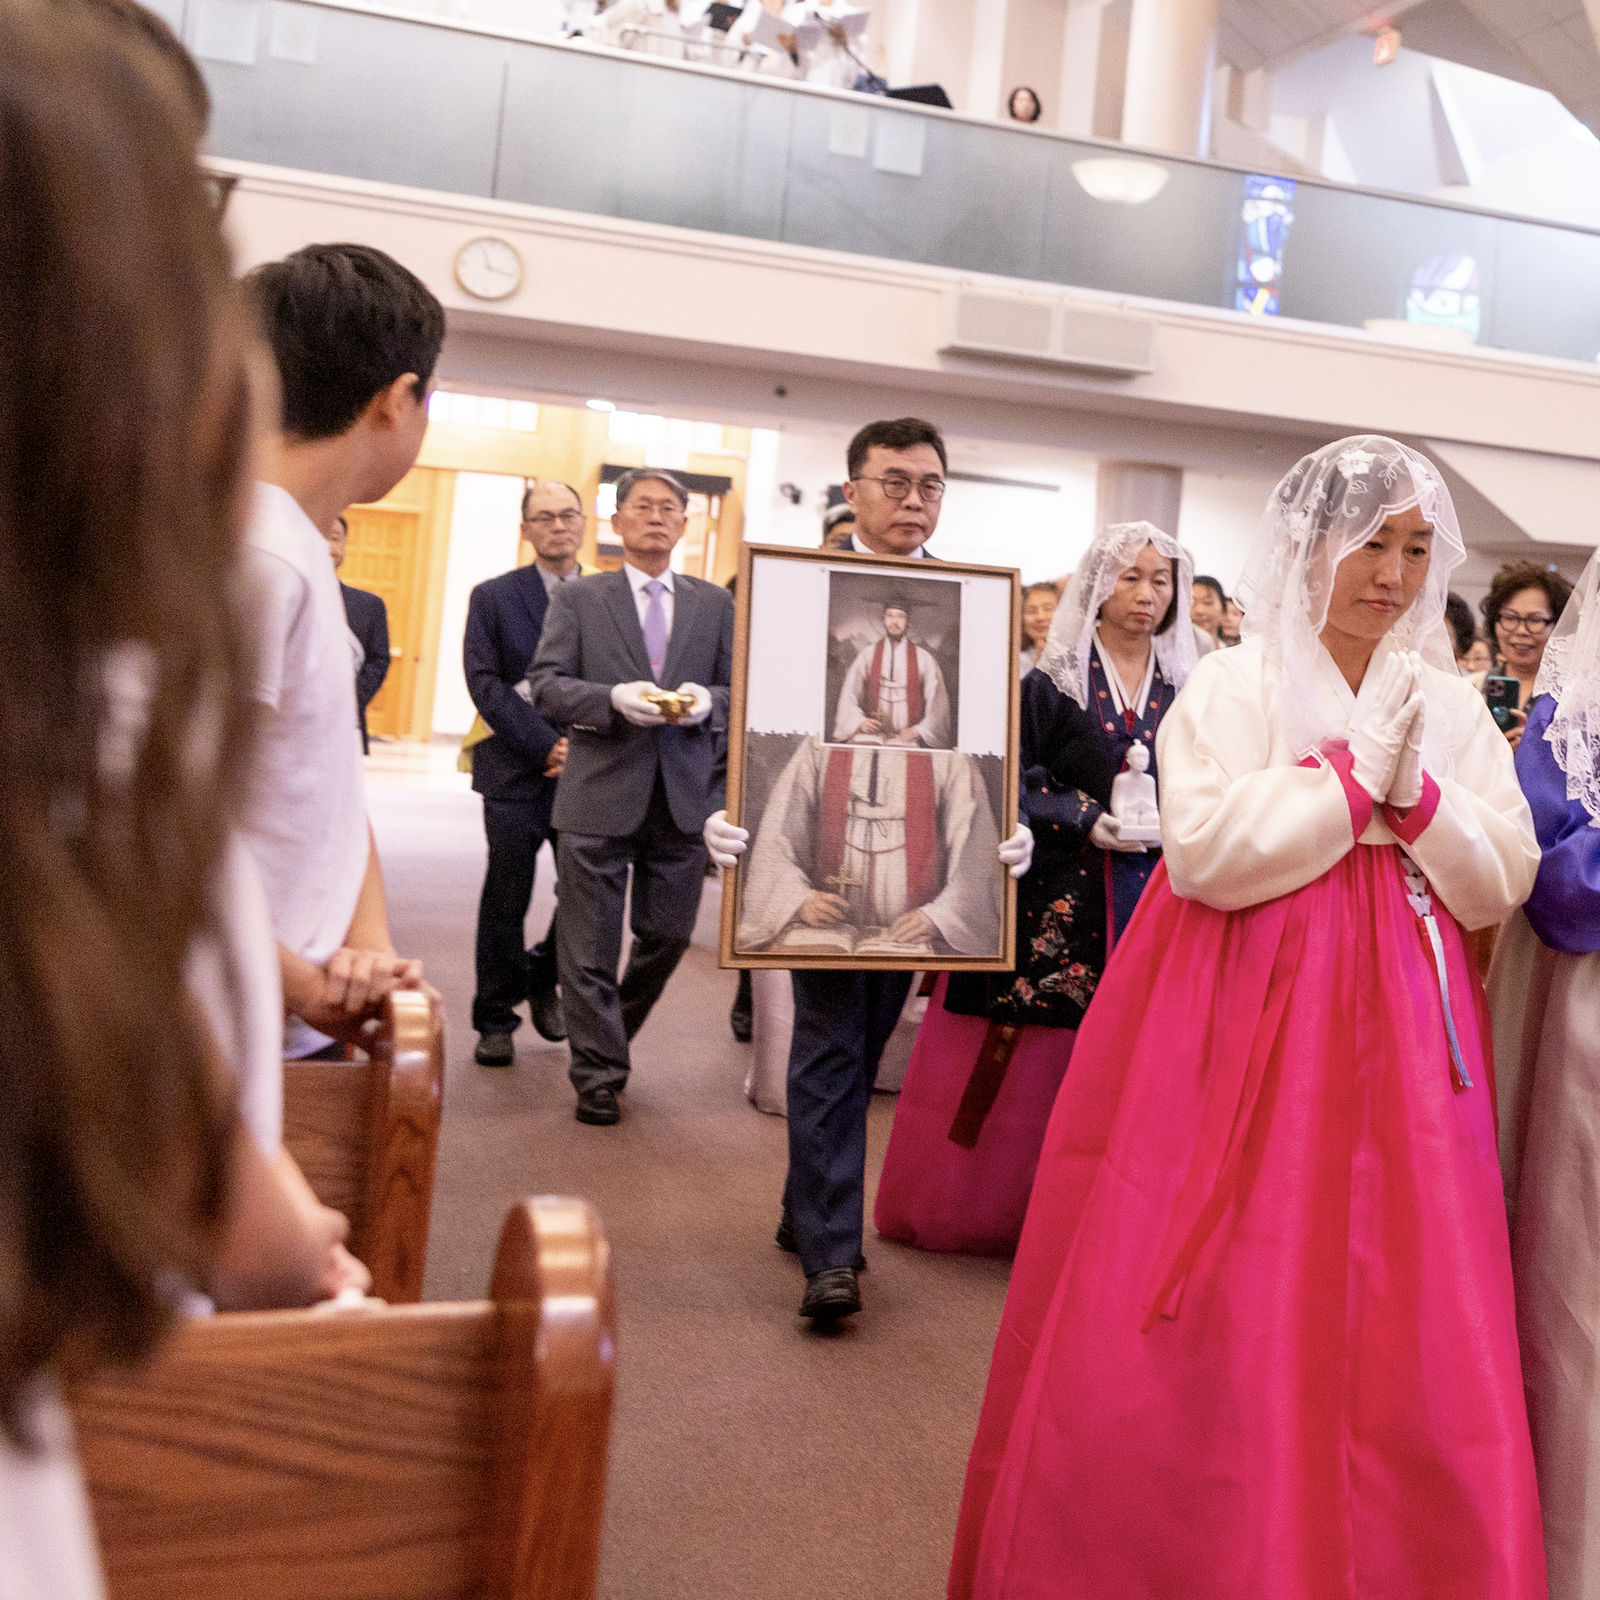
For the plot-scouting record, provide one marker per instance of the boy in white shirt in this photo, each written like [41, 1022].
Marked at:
[355, 336]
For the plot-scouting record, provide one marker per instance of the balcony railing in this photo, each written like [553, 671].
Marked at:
[449, 106]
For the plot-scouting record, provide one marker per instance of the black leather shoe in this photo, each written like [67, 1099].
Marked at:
[495, 1050]
[599, 1108]
[545, 1010]
[831, 1294]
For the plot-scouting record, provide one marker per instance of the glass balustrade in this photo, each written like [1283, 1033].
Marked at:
[468, 111]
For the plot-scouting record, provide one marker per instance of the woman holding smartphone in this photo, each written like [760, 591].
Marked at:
[1518, 613]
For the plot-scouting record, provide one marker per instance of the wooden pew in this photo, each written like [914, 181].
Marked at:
[392, 1453]
[366, 1134]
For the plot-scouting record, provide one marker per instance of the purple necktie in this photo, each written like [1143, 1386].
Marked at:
[655, 627]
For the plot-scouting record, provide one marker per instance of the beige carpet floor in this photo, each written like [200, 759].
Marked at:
[750, 1457]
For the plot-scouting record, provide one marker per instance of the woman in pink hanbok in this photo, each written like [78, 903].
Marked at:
[1260, 1338]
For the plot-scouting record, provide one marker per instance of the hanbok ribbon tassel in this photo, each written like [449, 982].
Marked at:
[1422, 903]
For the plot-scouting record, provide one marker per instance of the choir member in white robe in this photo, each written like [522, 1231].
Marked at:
[672, 29]
[831, 61]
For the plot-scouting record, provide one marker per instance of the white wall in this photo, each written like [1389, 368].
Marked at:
[681, 323]
[808, 460]
[1218, 520]
[484, 531]
[1041, 531]
[760, 485]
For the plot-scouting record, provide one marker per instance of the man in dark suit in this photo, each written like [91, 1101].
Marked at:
[843, 1019]
[515, 763]
[637, 786]
[368, 619]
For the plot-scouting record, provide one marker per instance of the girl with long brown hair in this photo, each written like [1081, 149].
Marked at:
[125, 1176]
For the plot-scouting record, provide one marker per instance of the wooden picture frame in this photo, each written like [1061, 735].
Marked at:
[812, 666]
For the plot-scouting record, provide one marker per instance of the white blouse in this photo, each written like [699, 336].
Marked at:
[1243, 822]
[47, 1543]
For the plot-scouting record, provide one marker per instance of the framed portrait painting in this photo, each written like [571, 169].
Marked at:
[872, 755]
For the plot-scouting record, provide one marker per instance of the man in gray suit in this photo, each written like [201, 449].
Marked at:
[636, 787]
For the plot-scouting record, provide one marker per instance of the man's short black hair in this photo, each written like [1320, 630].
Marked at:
[1458, 618]
[637, 475]
[344, 321]
[547, 483]
[901, 434]
[1215, 587]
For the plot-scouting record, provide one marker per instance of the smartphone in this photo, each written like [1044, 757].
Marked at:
[1502, 694]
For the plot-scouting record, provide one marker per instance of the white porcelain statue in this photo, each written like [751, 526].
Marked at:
[1133, 799]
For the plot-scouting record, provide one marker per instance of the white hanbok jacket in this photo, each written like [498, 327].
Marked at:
[1242, 821]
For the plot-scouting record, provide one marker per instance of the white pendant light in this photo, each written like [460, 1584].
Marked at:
[1120, 179]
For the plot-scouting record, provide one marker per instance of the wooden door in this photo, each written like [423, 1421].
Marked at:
[393, 548]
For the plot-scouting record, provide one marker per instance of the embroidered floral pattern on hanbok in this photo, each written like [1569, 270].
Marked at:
[1047, 969]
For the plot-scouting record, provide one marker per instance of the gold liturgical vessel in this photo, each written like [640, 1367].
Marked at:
[672, 705]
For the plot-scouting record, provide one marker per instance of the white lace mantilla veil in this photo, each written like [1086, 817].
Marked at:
[1570, 671]
[1328, 505]
[1066, 652]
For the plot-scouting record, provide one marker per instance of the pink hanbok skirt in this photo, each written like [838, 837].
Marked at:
[938, 1195]
[1260, 1341]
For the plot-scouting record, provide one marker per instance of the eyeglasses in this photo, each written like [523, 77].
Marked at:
[896, 485]
[665, 508]
[544, 521]
[1513, 622]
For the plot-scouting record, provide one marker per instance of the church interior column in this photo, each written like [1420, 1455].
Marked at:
[1171, 54]
[929, 41]
[1138, 491]
[1015, 44]
[1094, 68]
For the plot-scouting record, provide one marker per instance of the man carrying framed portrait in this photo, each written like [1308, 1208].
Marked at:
[872, 760]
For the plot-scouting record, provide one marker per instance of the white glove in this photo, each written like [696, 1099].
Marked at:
[702, 704]
[1106, 833]
[1406, 790]
[1017, 851]
[724, 842]
[625, 699]
[1376, 741]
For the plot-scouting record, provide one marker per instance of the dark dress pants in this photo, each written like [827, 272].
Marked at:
[842, 1020]
[507, 972]
[669, 868]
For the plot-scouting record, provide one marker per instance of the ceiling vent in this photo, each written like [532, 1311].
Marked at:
[1053, 331]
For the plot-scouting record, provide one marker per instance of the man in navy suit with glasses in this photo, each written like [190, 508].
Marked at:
[516, 757]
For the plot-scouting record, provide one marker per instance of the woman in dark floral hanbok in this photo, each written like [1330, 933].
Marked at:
[994, 1047]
